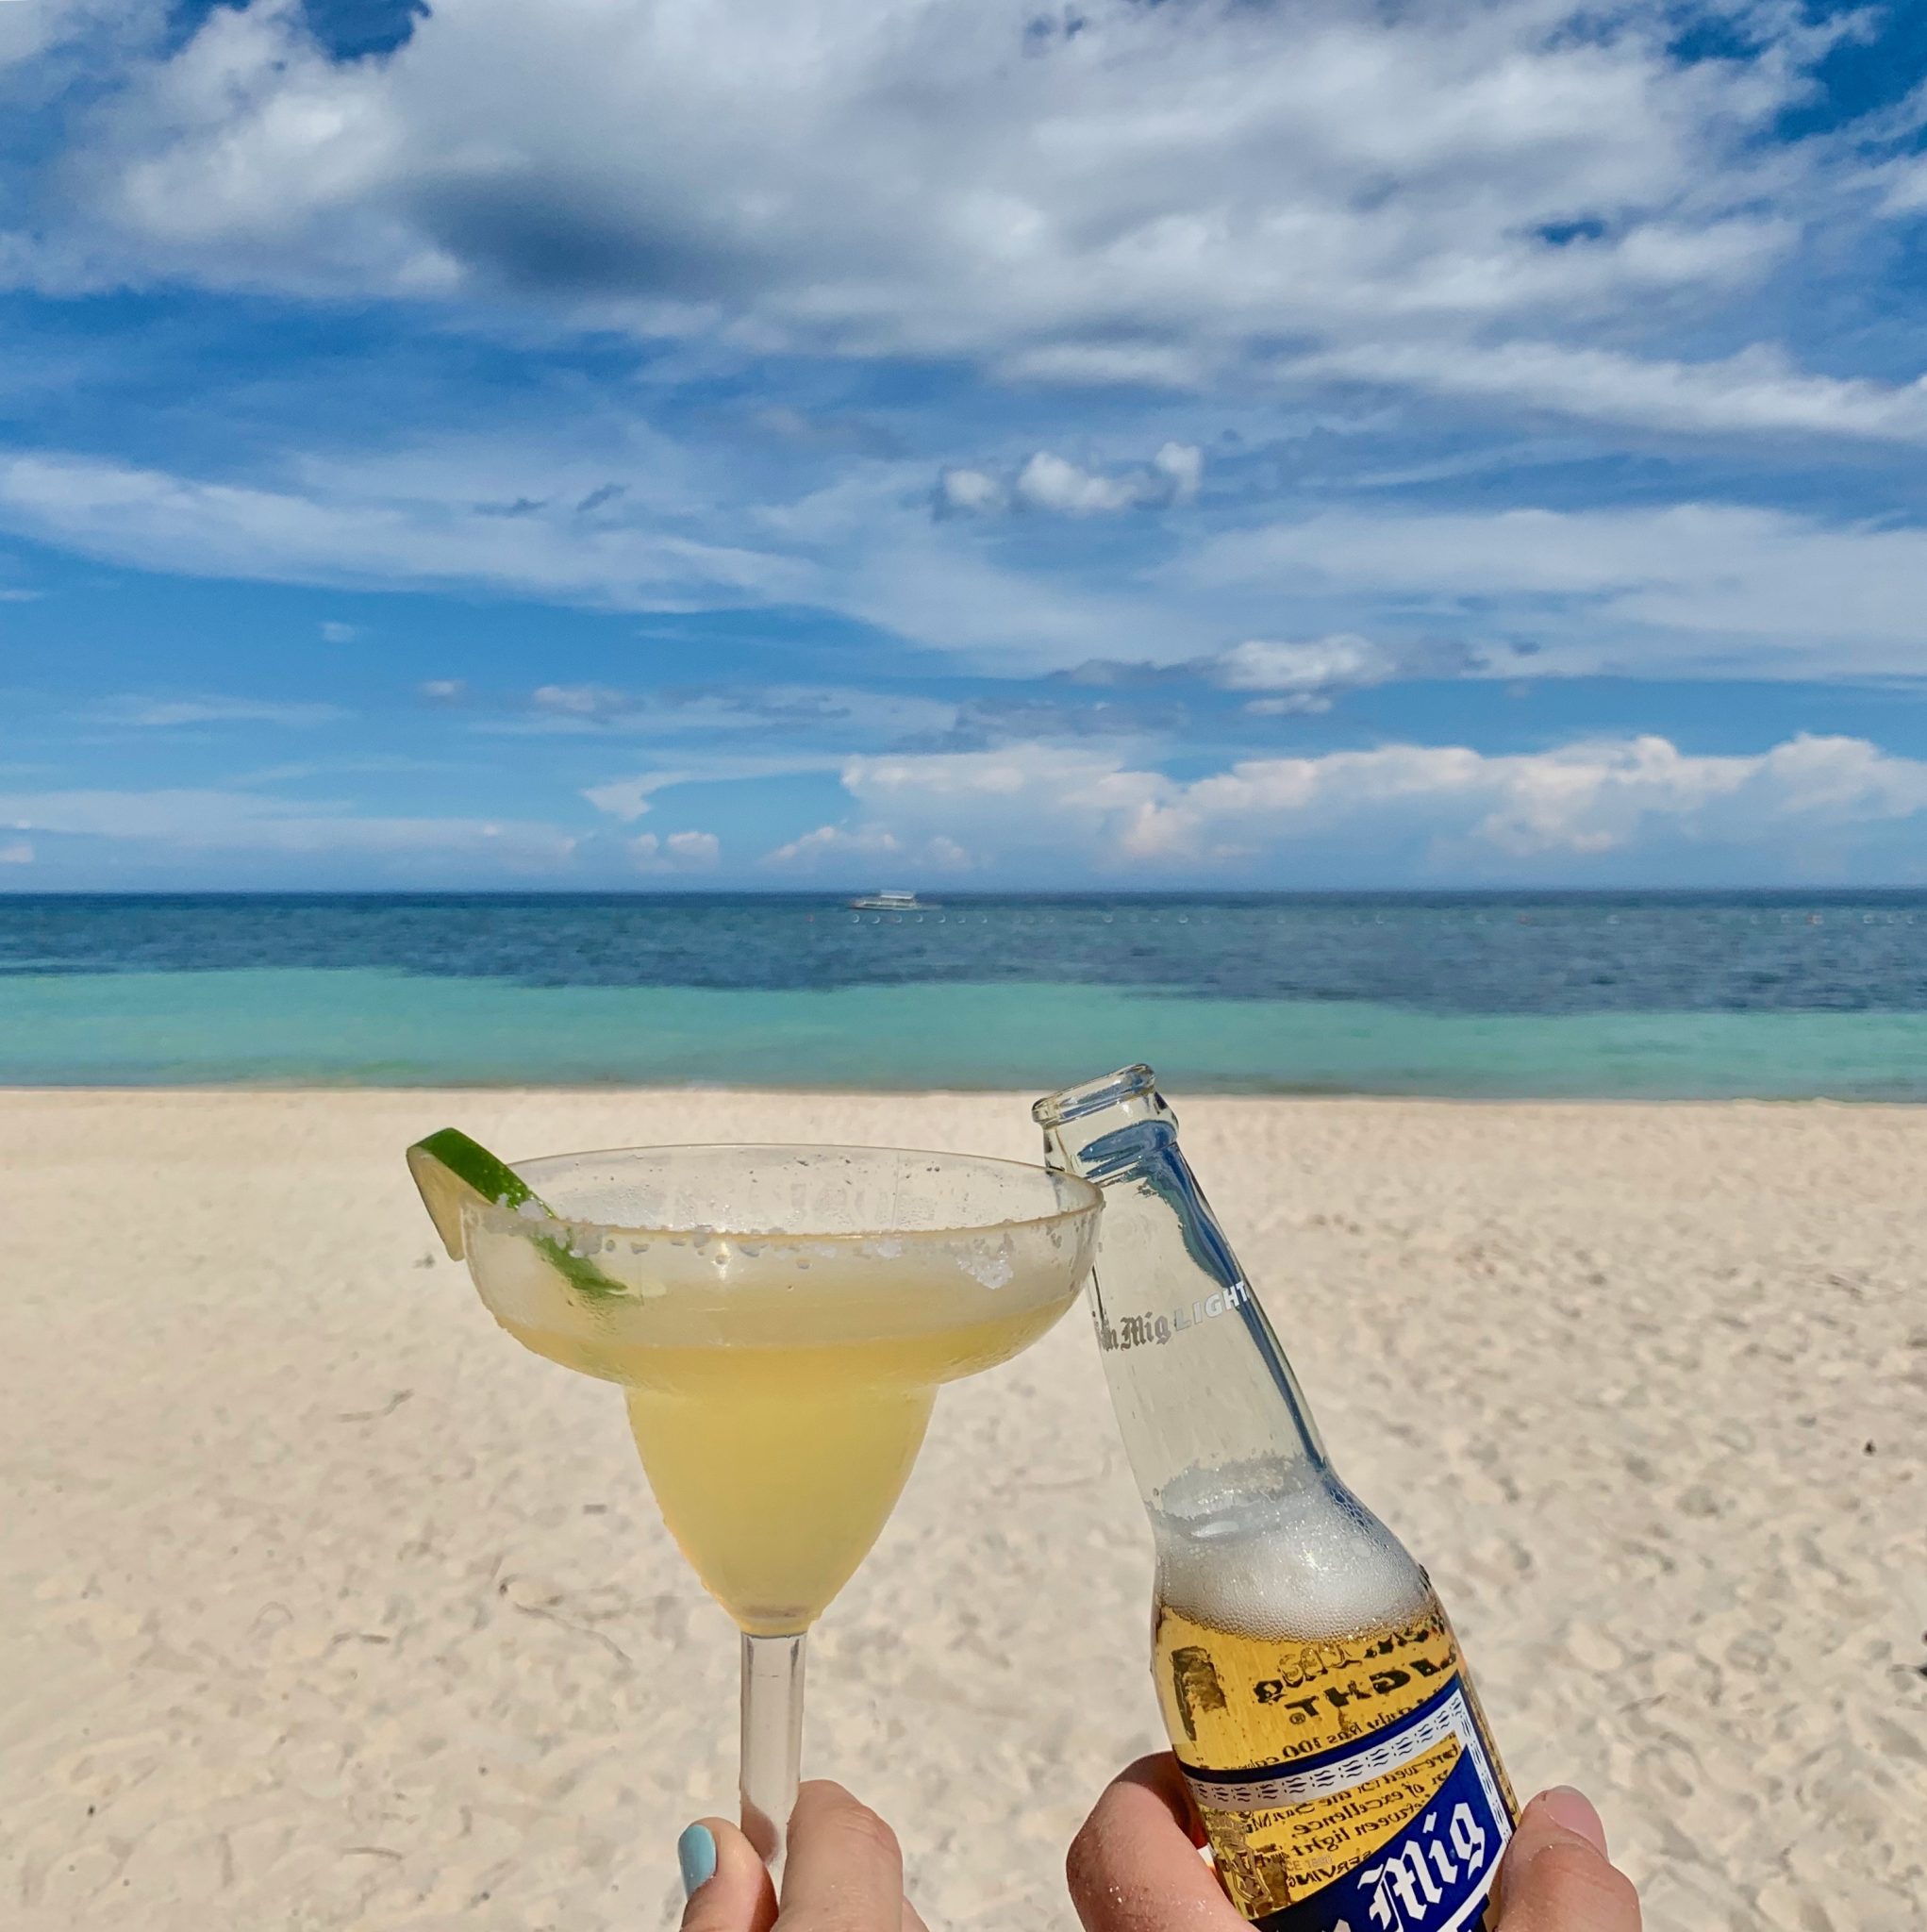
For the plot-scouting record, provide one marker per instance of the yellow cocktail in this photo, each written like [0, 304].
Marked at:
[780, 1319]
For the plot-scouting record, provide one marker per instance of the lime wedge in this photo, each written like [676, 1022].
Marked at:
[449, 1169]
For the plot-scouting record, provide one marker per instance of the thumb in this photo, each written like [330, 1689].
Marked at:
[728, 1885]
[1557, 1876]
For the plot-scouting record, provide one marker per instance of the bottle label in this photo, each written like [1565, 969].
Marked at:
[1398, 1831]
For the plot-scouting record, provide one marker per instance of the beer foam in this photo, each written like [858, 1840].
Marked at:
[1272, 1549]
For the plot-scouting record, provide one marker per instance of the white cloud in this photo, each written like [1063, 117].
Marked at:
[443, 691]
[1054, 484]
[1131, 197]
[1459, 200]
[1049, 482]
[16, 852]
[1311, 670]
[1447, 805]
[627, 799]
[679, 852]
[1707, 590]
[1183, 465]
[334, 632]
[1021, 800]
[1758, 389]
[837, 849]
[166, 714]
[1288, 678]
[970, 492]
[1906, 187]
[831, 842]
[30, 28]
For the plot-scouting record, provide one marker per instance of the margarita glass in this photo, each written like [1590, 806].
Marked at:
[780, 1319]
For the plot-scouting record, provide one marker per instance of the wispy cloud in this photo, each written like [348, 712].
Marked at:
[344, 530]
[1287, 678]
[580, 700]
[189, 820]
[627, 799]
[1693, 589]
[162, 714]
[1759, 390]
[792, 714]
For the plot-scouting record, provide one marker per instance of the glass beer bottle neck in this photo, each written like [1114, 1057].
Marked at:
[1196, 1374]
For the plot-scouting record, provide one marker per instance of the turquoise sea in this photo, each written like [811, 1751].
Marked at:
[1601, 996]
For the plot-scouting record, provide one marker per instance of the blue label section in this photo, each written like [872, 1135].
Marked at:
[1432, 1878]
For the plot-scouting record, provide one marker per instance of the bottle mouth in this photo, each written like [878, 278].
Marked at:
[1091, 1096]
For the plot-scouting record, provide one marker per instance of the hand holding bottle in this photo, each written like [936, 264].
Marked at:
[1135, 1866]
[1311, 1685]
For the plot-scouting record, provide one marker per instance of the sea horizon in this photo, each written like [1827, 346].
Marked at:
[669, 890]
[1500, 993]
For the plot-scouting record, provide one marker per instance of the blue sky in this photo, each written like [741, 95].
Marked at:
[823, 443]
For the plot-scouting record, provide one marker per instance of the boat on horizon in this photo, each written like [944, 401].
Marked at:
[891, 902]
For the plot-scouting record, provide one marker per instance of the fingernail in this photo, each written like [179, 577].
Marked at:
[1572, 1812]
[695, 1852]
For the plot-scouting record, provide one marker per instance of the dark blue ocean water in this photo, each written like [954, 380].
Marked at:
[1719, 994]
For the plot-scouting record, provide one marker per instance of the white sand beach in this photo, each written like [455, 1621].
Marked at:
[327, 1607]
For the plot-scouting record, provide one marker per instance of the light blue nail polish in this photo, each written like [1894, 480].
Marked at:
[695, 1852]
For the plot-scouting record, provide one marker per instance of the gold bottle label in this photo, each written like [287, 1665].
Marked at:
[1346, 1785]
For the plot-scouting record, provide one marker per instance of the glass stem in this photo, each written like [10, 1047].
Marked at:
[771, 1740]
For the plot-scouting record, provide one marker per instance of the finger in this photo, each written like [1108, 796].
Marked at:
[1135, 1866]
[913, 1919]
[843, 1871]
[1557, 1876]
[735, 1894]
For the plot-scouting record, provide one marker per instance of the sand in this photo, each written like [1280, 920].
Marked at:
[327, 1607]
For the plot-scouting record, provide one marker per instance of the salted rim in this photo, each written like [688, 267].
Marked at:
[1088, 1195]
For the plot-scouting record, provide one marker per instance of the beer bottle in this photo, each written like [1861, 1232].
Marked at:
[1308, 1678]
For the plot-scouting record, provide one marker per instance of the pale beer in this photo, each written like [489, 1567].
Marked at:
[1309, 1681]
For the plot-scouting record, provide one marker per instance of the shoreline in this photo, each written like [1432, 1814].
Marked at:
[376, 1090]
[742, 1090]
